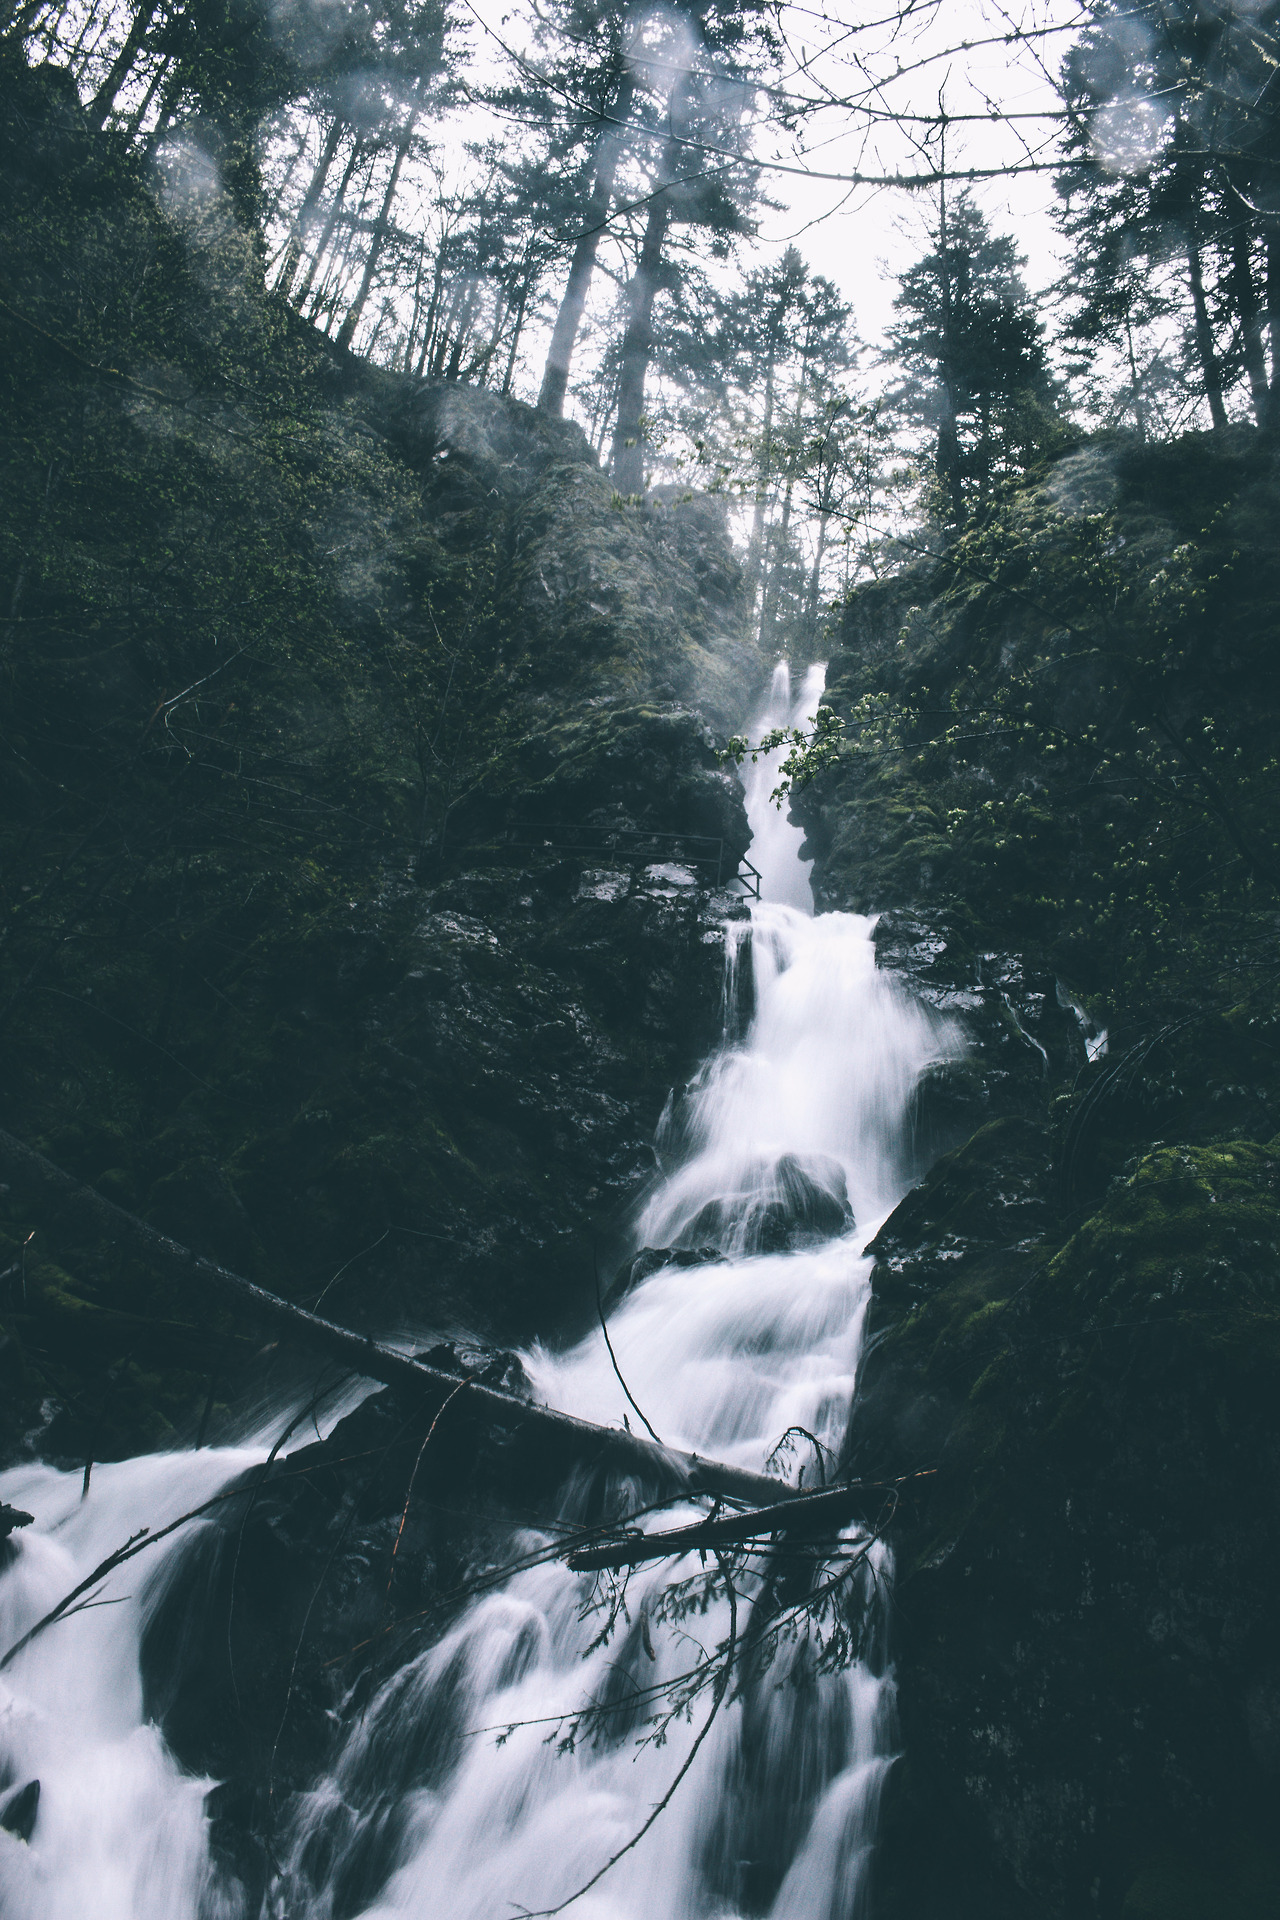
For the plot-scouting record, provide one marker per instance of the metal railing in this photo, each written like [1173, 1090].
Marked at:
[699, 852]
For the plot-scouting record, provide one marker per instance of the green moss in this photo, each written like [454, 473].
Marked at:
[1087, 1574]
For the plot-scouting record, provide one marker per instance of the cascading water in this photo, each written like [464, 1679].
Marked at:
[120, 1831]
[792, 1148]
[793, 1132]
[775, 843]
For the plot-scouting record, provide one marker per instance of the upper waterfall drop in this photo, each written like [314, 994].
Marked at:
[807, 1119]
[775, 843]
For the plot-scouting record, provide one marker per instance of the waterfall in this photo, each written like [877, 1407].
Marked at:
[790, 1134]
[462, 1789]
[120, 1832]
[775, 843]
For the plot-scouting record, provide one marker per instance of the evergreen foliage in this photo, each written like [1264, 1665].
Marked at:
[974, 350]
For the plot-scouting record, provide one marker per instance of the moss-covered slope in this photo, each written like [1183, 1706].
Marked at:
[296, 655]
[1090, 1696]
[1061, 791]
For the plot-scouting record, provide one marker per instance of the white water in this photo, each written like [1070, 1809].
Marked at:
[775, 843]
[121, 1831]
[777, 1812]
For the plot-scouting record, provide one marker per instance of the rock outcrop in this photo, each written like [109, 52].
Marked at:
[1076, 1318]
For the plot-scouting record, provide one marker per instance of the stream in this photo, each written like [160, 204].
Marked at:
[786, 1151]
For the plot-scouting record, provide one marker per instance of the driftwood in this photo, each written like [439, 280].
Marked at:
[802, 1513]
[564, 1442]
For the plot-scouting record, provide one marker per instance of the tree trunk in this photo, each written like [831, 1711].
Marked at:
[1210, 371]
[815, 576]
[310, 200]
[480, 368]
[331, 288]
[637, 349]
[433, 313]
[570, 1442]
[104, 99]
[1246, 298]
[769, 611]
[755, 546]
[377, 239]
[158, 78]
[564, 334]
[526, 287]
[444, 333]
[1135, 384]
[272, 211]
[465, 318]
[331, 221]
[75, 54]
[637, 341]
[411, 332]
[948, 453]
[821, 1513]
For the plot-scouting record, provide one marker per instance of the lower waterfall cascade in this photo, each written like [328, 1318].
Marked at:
[784, 1154]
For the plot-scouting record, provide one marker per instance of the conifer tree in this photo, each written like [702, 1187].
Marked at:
[973, 351]
[1171, 195]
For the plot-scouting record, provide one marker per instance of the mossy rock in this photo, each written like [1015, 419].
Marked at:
[1087, 1581]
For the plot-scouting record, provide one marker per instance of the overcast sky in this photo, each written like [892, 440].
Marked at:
[860, 236]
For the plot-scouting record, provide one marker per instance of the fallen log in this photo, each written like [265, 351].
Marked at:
[566, 1441]
[802, 1513]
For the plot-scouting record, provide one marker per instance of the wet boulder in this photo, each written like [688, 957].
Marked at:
[799, 1201]
[11, 1518]
[491, 1366]
[811, 1203]
[18, 1811]
[652, 1260]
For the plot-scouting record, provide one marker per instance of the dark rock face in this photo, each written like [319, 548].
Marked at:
[430, 1100]
[1075, 1326]
[1085, 1623]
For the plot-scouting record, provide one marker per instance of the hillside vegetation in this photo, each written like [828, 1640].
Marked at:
[291, 646]
[1059, 782]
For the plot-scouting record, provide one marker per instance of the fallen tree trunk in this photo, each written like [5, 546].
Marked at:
[802, 1513]
[565, 1442]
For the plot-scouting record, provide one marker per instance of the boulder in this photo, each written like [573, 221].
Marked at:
[798, 1202]
[18, 1811]
[651, 1260]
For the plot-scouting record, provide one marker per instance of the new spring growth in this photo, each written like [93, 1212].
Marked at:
[811, 750]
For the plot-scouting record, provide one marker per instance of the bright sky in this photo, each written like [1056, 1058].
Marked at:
[863, 236]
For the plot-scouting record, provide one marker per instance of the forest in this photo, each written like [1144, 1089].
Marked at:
[639, 1000]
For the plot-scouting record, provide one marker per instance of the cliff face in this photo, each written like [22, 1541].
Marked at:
[324, 694]
[1061, 793]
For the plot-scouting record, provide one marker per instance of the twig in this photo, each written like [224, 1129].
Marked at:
[413, 1476]
[835, 1503]
[612, 1355]
[718, 1693]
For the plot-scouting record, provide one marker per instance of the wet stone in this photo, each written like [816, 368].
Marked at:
[602, 883]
